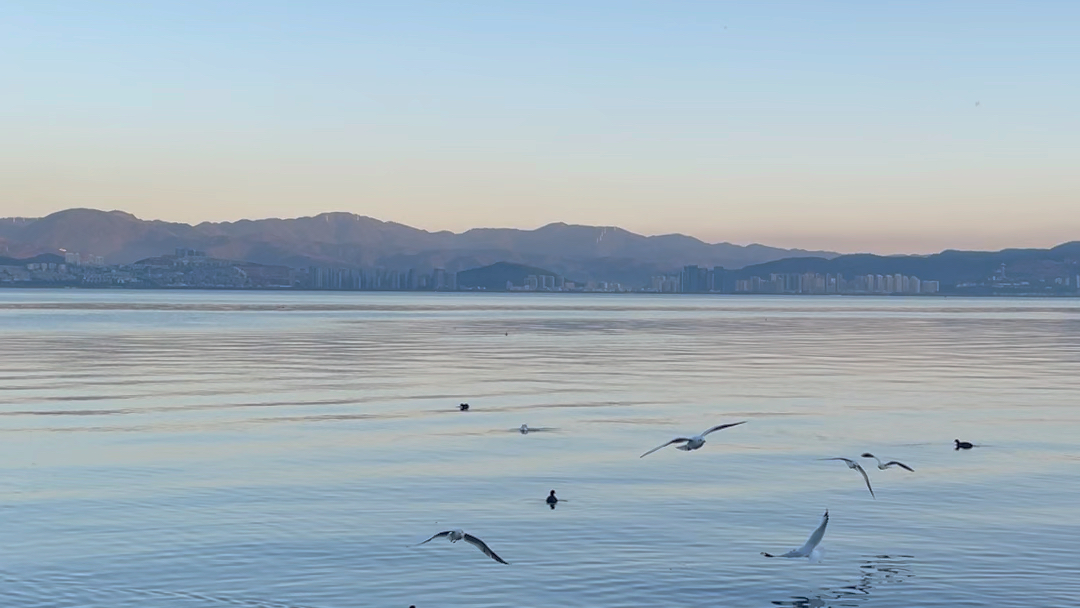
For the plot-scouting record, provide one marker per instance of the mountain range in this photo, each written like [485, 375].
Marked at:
[348, 240]
[950, 267]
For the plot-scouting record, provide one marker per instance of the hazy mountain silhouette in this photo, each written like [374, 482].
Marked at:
[949, 266]
[496, 276]
[349, 240]
[47, 258]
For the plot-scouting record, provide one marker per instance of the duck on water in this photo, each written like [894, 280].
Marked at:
[552, 500]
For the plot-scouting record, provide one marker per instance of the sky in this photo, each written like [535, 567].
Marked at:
[885, 126]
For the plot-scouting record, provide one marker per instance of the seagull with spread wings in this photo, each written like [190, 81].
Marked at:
[692, 443]
[851, 464]
[456, 535]
[891, 463]
[810, 549]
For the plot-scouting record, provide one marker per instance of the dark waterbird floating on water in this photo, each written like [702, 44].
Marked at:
[963, 445]
[456, 535]
[692, 443]
[552, 500]
[526, 429]
[464, 407]
[887, 464]
[851, 464]
[810, 549]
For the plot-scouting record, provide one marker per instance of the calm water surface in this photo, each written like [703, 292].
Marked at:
[285, 450]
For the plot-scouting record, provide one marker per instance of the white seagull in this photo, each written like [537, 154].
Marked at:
[691, 443]
[887, 464]
[456, 535]
[809, 549]
[851, 464]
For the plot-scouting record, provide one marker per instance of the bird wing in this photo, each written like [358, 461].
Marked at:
[815, 538]
[899, 464]
[469, 538]
[859, 468]
[440, 534]
[722, 426]
[847, 460]
[676, 440]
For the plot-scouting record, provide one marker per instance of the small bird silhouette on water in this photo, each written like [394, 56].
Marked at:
[552, 500]
[963, 445]
[464, 407]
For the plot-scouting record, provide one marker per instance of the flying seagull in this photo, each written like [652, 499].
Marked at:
[810, 549]
[691, 443]
[851, 464]
[886, 465]
[456, 535]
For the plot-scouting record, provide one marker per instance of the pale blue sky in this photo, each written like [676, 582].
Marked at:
[844, 125]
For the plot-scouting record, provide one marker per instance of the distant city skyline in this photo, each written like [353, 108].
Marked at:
[193, 269]
[883, 127]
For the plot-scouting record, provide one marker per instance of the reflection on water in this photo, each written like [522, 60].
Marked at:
[875, 572]
[169, 449]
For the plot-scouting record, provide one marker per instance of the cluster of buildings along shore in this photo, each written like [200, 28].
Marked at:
[694, 279]
[189, 268]
[814, 283]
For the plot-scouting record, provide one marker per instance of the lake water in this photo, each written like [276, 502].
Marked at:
[208, 449]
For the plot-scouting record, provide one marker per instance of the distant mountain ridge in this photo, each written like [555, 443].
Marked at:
[354, 241]
[497, 276]
[949, 267]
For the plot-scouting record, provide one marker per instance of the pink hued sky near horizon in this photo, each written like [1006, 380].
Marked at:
[884, 128]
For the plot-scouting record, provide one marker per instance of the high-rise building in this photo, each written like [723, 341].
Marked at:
[438, 278]
[694, 279]
[719, 281]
